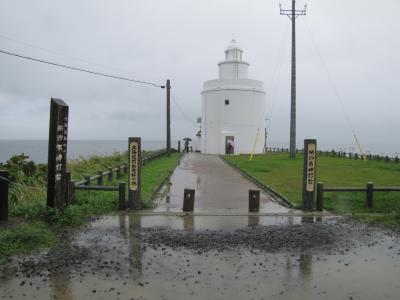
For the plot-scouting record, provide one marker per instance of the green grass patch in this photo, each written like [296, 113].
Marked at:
[285, 175]
[29, 203]
[23, 238]
[153, 174]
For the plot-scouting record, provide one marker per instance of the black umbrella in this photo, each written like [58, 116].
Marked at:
[187, 139]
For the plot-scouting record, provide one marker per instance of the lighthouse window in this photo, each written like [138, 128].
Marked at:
[226, 101]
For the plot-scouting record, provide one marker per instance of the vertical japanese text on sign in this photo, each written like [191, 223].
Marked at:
[133, 165]
[310, 178]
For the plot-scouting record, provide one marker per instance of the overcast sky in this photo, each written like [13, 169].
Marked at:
[348, 52]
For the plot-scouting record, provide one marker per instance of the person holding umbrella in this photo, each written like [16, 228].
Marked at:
[187, 140]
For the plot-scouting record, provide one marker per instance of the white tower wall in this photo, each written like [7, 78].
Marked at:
[233, 106]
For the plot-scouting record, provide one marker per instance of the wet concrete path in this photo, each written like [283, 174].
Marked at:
[218, 187]
[153, 257]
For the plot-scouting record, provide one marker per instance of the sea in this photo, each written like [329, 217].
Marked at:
[37, 149]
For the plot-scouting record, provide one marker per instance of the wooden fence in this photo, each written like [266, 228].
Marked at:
[84, 184]
[343, 154]
[369, 192]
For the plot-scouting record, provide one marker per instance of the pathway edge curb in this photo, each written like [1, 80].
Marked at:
[277, 196]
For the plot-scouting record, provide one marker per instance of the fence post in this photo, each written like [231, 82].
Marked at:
[188, 200]
[254, 201]
[87, 178]
[370, 194]
[320, 196]
[68, 188]
[121, 189]
[110, 174]
[125, 168]
[72, 192]
[100, 179]
[4, 195]
[179, 146]
[118, 172]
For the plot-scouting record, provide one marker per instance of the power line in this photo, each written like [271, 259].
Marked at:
[80, 69]
[60, 54]
[334, 88]
[182, 112]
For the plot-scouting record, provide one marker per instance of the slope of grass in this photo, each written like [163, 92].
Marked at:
[281, 173]
[38, 225]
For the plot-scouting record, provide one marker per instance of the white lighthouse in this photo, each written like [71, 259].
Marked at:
[233, 108]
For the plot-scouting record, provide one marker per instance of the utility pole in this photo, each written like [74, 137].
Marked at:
[168, 117]
[293, 14]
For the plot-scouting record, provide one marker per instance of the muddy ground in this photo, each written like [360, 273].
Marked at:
[156, 257]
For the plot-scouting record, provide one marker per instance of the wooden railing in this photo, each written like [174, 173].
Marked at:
[369, 192]
[343, 154]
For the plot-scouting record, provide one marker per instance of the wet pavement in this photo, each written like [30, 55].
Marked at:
[218, 187]
[153, 257]
[128, 256]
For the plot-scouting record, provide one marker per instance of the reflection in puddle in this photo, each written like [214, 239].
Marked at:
[123, 264]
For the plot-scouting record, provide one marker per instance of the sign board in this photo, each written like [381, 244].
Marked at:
[134, 174]
[57, 183]
[309, 174]
[133, 168]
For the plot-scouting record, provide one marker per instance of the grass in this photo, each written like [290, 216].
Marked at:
[38, 225]
[284, 175]
[25, 237]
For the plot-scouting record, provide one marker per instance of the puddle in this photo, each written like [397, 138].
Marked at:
[125, 263]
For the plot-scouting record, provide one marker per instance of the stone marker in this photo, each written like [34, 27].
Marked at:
[309, 174]
[134, 173]
[57, 185]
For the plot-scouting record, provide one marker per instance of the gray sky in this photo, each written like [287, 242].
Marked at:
[346, 48]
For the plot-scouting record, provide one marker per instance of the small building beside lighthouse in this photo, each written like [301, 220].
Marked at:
[233, 108]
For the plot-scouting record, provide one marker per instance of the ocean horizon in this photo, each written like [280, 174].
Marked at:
[37, 149]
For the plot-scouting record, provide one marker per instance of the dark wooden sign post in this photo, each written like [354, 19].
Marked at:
[57, 183]
[309, 174]
[134, 173]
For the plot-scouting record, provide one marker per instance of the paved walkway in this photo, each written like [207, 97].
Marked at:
[218, 187]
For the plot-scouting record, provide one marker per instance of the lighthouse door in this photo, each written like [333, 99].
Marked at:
[229, 145]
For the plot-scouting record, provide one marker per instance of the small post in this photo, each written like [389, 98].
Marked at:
[254, 201]
[87, 179]
[110, 174]
[320, 196]
[118, 172]
[309, 173]
[68, 188]
[125, 168]
[188, 200]
[72, 192]
[370, 194]
[121, 189]
[135, 170]
[4, 195]
[100, 179]
[179, 146]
